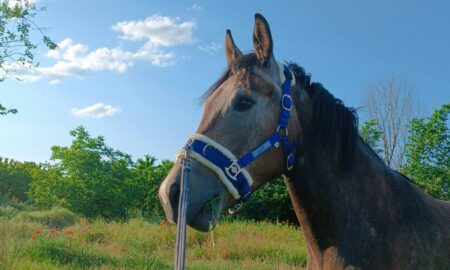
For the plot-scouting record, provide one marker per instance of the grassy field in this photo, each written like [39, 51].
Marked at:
[26, 243]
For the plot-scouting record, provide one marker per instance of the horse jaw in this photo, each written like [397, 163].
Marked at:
[206, 195]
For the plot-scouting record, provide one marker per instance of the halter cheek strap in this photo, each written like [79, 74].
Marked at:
[227, 166]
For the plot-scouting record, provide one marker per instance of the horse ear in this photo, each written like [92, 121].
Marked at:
[231, 50]
[262, 39]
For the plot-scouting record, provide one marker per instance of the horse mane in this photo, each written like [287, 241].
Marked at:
[334, 124]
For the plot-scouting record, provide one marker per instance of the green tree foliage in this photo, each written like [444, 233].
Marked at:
[371, 135]
[270, 202]
[88, 177]
[16, 25]
[15, 178]
[148, 176]
[427, 153]
[5, 111]
[17, 47]
[92, 179]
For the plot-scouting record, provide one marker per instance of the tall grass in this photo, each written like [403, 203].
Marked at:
[54, 218]
[138, 244]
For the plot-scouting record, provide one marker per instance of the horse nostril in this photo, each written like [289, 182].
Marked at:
[174, 195]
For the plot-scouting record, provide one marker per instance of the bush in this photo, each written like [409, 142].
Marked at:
[20, 206]
[8, 212]
[94, 180]
[54, 218]
[87, 177]
[15, 178]
[3, 199]
[270, 202]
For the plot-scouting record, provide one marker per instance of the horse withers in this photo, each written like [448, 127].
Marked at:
[355, 212]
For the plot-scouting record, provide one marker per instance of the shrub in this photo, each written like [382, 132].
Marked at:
[15, 178]
[270, 202]
[8, 212]
[87, 177]
[54, 218]
[20, 206]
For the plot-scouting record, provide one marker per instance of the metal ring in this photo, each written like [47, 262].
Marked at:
[235, 208]
[285, 130]
[290, 104]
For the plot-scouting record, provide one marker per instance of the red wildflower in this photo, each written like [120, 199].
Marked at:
[122, 250]
[53, 232]
[38, 231]
[69, 232]
[33, 237]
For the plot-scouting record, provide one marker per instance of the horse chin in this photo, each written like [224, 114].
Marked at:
[206, 219]
[202, 221]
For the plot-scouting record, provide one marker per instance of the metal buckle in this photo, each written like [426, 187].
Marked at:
[285, 131]
[290, 161]
[288, 97]
[233, 170]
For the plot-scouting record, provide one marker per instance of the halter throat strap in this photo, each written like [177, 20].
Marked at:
[232, 170]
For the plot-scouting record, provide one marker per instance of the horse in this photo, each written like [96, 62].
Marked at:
[354, 211]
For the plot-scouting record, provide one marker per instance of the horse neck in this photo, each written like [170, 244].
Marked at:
[333, 205]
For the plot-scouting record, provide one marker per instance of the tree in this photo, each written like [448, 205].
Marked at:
[5, 111]
[17, 48]
[92, 179]
[427, 153]
[15, 178]
[88, 177]
[371, 135]
[150, 176]
[391, 105]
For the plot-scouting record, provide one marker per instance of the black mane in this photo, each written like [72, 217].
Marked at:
[334, 124]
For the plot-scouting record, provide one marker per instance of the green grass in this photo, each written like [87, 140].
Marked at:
[138, 244]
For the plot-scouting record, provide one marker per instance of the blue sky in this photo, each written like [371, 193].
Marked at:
[133, 70]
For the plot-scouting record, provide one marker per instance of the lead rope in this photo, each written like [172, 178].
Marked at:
[180, 249]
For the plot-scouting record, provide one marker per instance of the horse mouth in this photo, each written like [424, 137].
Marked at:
[207, 217]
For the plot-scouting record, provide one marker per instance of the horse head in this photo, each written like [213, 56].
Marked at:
[247, 135]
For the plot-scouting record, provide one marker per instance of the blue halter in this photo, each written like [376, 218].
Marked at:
[231, 170]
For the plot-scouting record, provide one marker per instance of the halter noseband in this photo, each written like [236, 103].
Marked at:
[231, 170]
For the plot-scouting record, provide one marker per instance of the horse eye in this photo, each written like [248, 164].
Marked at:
[243, 103]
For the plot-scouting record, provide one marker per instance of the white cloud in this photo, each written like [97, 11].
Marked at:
[76, 60]
[210, 48]
[158, 31]
[155, 56]
[67, 50]
[97, 110]
[196, 7]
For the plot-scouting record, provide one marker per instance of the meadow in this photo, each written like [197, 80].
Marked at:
[57, 239]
